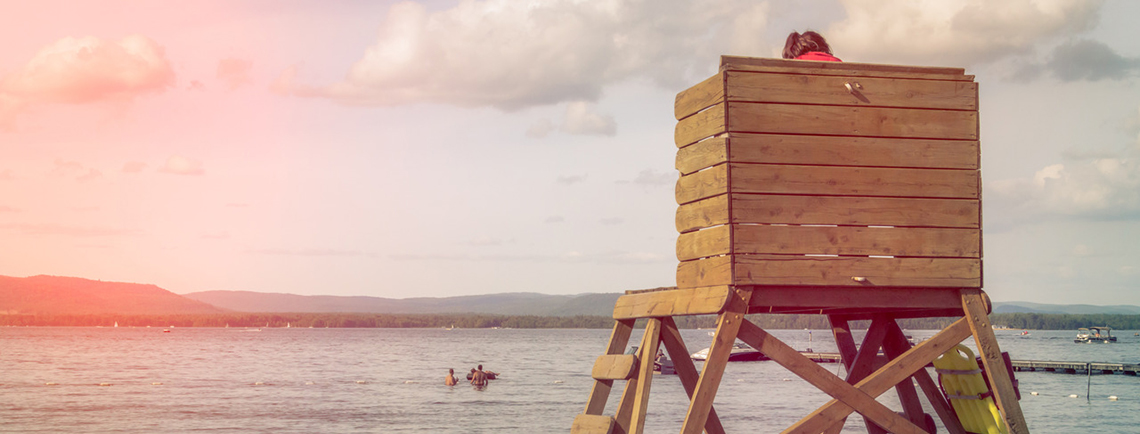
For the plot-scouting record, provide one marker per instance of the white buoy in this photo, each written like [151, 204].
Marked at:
[104, 384]
[51, 384]
[258, 383]
[309, 383]
[359, 381]
[410, 382]
[1112, 398]
[156, 384]
[1033, 393]
[1072, 396]
[557, 381]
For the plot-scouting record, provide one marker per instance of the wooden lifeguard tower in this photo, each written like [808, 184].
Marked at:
[842, 189]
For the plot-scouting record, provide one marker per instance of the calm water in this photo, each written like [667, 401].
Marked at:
[391, 380]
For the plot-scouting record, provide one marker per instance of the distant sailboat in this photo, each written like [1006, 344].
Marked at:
[287, 325]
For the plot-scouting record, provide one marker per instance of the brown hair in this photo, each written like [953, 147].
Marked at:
[800, 43]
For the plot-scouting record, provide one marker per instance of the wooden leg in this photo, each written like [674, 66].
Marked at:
[851, 398]
[727, 327]
[619, 338]
[978, 317]
[864, 362]
[845, 341]
[686, 370]
[895, 344]
[886, 377]
[648, 350]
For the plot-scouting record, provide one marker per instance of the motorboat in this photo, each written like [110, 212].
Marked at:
[741, 352]
[1099, 335]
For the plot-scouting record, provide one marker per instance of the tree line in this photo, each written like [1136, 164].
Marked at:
[1031, 321]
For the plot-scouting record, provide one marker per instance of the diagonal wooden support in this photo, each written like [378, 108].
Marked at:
[849, 397]
[600, 393]
[686, 370]
[648, 352]
[727, 327]
[862, 363]
[977, 314]
[896, 344]
[886, 377]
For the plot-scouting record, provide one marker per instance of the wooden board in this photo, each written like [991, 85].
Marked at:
[699, 97]
[829, 150]
[702, 301]
[702, 185]
[615, 367]
[739, 63]
[866, 298]
[592, 424]
[827, 210]
[788, 270]
[833, 90]
[843, 240]
[699, 126]
[849, 121]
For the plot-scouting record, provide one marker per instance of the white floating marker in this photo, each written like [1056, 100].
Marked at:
[359, 381]
[51, 384]
[557, 381]
[156, 384]
[1112, 398]
[104, 384]
[1072, 396]
[1033, 393]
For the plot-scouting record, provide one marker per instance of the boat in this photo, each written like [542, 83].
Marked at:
[1100, 335]
[741, 352]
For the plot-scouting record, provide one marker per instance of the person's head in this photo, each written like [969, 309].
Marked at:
[800, 43]
[480, 367]
[472, 370]
[451, 371]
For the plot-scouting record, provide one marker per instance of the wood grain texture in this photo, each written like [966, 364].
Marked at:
[615, 367]
[705, 243]
[600, 392]
[850, 121]
[702, 155]
[686, 370]
[739, 63]
[699, 97]
[704, 124]
[844, 240]
[728, 324]
[690, 301]
[647, 352]
[764, 298]
[832, 90]
[836, 151]
[977, 316]
[702, 185]
[702, 214]
[824, 210]
[708, 272]
[833, 181]
[839, 271]
[592, 424]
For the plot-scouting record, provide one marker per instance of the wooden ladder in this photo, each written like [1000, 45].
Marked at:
[868, 376]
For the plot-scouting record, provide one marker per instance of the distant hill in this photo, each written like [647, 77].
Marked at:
[75, 296]
[1075, 309]
[516, 303]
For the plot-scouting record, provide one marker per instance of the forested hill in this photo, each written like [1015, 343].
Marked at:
[55, 295]
[518, 303]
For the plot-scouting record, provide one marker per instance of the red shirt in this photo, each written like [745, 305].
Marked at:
[818, 55]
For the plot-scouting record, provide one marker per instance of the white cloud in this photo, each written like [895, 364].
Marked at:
[581, 119]
[234, 72]
[955, 32]
[179, 165]
[1101, 188]
[510, 54]
[542, 128]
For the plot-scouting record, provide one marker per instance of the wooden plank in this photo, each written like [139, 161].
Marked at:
[686, 371]
[840, 240]
[705, 243]
[845, 151]
[846, 121]
[623, 417]
[886, 377]
[977, 315]
[705, 272]
[838, 181]
[861, 298]
[727, 326]
[830, 210]
[704, 124]
[740, 63]
[592, 424]
[702, 185]
[684, 301]
[615, 367]
[824, 380]
[702, 214]
[895, 344]
[844, 271]
[845, 342]
[600, 392]
[648, 349]
[699, 97]
[833, 90]
[702, 155]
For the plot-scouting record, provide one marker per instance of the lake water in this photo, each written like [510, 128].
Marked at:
[391, 380]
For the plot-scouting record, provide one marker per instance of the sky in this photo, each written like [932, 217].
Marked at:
[445, 148]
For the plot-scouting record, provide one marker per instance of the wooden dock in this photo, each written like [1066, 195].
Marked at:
[1076, 367]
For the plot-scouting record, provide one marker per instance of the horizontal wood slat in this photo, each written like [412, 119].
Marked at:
[850, 181]
[615, 367]
[592, 424]
[843, 240]
[699, 301]
[737, 63]
[839, 271]
[848, 121]
[869, 91]
[699, 126]
[766, 297]
[828, 150]
[699, 97]
[702, 185]
[829, 210]
[705, 272]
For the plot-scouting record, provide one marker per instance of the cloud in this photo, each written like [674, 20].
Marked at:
[581, 119]
[234, 72]
[90, 175]
[74, 169]
[653, 178]
[542, 128]
[1097, 189]
[510, 54]
[570, 180]
[179, 165]
[1090, 60]
[133, 167]
[955, 32]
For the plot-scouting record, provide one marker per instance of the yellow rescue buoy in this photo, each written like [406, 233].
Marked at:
[962, 380]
